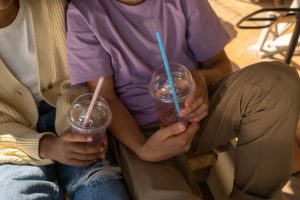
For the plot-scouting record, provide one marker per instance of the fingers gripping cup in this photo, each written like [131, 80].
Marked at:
[161, 92]
[99, 119]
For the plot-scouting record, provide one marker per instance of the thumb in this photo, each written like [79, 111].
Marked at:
[173, 130]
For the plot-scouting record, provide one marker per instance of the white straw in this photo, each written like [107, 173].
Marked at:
[93, 101]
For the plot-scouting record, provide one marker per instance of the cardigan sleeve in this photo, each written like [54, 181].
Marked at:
[19, 142]
[64, 102]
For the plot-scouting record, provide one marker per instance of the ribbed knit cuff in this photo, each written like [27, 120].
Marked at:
[33, 146]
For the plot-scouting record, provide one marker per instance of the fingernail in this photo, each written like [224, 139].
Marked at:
[181, 127]
[89, 138]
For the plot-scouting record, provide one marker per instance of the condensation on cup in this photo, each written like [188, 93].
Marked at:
[161, 92]
[99, 119]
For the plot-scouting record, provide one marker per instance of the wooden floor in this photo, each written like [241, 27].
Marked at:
[230, 12]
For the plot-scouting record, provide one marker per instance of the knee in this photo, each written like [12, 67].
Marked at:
[273, 84]
[288, 80]
[286, 73]
[284, 77]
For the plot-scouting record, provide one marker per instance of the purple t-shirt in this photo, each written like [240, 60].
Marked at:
[109, 38]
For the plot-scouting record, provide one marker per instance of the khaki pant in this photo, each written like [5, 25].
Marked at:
[260, 105]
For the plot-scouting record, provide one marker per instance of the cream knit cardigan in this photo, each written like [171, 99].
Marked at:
[19, 142]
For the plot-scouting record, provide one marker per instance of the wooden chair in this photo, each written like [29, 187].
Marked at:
[277, 2]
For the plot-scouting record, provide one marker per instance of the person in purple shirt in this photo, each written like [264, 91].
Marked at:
[259, 105]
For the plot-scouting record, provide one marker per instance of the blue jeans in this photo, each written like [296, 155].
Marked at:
[26, 182]
[97, 181]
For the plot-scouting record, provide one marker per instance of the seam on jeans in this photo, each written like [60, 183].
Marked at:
[59, 192]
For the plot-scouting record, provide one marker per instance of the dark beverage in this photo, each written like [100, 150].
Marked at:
[167, 115]
[163, 96]
[98, 121]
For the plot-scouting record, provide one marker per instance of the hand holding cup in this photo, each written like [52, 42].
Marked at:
[96, 125]
[71, 149]
[168, 142]
[196, 106]
[162, 94]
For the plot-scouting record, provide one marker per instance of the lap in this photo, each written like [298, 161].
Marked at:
[104, 189]
[29, 182]
[160, 180]
[100, 180]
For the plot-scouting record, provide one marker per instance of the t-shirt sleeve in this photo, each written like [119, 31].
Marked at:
[87, 60]
[206, 35]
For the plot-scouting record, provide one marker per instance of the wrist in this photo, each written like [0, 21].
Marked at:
[201, 76]
[46, 142]
[147, 155]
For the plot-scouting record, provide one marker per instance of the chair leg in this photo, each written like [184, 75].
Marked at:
[293, 41]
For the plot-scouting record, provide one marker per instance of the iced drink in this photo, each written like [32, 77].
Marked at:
[162, 94]
[99, 119]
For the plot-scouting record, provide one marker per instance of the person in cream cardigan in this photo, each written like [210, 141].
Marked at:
[33, 81]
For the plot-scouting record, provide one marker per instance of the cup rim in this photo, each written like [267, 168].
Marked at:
[105, 126]
[168, 100]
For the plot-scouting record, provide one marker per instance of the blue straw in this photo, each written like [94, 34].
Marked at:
[168, 71]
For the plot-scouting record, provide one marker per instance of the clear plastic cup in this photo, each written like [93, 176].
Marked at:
[98, 122]
[161, 92]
